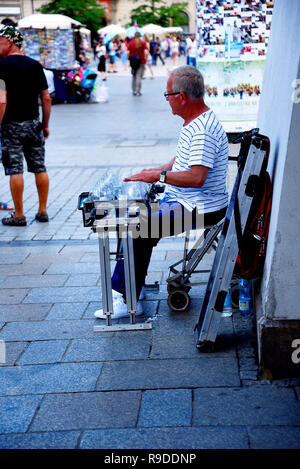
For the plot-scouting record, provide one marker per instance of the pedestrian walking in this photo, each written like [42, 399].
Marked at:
[101, 55]
[137, 52]
[124, 54]
[23, 82]
[174, 50]
[112, 48]
[148, 59]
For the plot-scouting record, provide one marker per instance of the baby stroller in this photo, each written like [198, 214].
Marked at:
[87, 84]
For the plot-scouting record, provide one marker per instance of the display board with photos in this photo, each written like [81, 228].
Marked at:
[232, 39]
[53, 48]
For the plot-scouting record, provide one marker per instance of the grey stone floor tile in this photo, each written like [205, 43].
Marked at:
[87, 410]
[154, 374]
[166, 408]
[16, 412]
[24, 269]
[167, 438]
[274, 437]
[52, 258]
[133, 346]
[12, 295]
[43, 379]
[66, 311]
[31, 249]
[45, 351]
[264, 405]
[16, 258]
[12, 352]
[51, 440]
[185, 345]
[30, 281]
[47, 330]
[82, 280]
[63, 294]
[23, 312]
[74, 268]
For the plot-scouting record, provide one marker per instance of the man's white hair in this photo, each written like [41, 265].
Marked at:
[189, 80]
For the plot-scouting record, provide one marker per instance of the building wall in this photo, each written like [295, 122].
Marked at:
[279, 116]
[120, 10]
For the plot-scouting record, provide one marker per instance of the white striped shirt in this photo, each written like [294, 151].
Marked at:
[202, 142]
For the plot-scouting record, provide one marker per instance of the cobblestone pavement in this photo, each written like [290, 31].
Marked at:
[64, 385]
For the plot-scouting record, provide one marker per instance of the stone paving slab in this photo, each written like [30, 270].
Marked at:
[66, 311]
[17, 412]
[154, 374]
[47, 330]
[42, 352]
[133, 346]
[30, 281]
[245, 406]
[167, 438]
[23, 312]
[44, 379]
[12, 295]
[62, 294]
[166, 408]
[271, 437]
[45, 440]
[87, 410]
[13, 350]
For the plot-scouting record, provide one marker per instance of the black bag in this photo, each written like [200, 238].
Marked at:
[135, 62]
[251, 257]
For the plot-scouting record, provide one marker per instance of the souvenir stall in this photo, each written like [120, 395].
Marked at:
[55, 42]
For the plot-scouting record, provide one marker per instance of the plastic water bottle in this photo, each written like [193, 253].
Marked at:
[244, 297]
[227, 308]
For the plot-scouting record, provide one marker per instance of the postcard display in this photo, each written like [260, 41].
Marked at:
[232, 39]
[53, 48]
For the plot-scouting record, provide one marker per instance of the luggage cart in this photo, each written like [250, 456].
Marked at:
[252, 164]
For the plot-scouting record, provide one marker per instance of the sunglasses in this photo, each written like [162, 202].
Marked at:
[171, 94]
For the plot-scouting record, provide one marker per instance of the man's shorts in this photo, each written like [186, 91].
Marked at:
[23, 139]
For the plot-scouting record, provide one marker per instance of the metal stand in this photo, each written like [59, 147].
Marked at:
[251, 161]
[125, 228]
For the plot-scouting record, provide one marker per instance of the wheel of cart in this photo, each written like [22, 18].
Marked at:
[179, 300]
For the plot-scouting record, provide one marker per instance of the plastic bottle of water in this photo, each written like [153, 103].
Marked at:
[244, 297]
[227, 308]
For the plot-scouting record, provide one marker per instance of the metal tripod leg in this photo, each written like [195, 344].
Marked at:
[130, 287]
[107, 302]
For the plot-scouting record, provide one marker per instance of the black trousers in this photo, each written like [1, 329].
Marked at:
[154, 228]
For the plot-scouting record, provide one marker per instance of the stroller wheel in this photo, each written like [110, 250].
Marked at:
[179, 300]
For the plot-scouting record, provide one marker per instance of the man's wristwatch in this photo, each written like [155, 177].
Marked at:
[162, 176]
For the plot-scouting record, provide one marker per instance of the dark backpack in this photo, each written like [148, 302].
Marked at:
[252, 253]
[135, 62]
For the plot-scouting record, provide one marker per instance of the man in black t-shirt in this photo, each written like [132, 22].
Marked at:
[22, 82]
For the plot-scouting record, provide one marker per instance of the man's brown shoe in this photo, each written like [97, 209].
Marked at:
[12, 220]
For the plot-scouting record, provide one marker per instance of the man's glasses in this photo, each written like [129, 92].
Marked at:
[171, 94]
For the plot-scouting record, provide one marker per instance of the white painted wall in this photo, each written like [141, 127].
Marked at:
[279, 119]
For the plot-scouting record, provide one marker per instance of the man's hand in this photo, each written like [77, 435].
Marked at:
[144, 176]
[46, 132]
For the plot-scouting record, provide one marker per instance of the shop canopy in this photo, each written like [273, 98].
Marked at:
[40, 21]
[115, 29]
[173, 29]
[153, 29]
